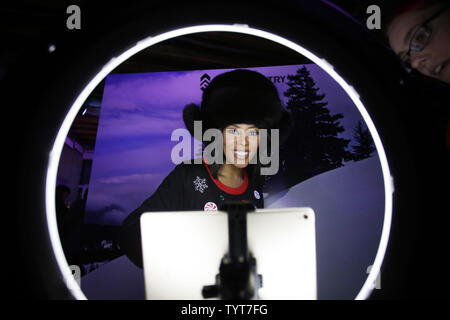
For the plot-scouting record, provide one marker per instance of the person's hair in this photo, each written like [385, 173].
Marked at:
[61, 189]
[391, 9]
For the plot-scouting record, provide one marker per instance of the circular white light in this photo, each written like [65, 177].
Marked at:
[149, 41]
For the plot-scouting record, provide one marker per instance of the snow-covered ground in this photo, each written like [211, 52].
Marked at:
[349, 207]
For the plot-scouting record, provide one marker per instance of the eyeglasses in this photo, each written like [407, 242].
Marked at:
[420, 38]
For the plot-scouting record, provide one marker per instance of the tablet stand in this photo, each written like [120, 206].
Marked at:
[237, 278]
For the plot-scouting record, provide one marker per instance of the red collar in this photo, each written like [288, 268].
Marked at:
[227, 189]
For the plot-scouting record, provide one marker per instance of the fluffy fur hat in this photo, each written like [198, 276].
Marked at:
[239, 96]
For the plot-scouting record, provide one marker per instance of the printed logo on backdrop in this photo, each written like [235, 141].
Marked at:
[277, 79]
[204, 81]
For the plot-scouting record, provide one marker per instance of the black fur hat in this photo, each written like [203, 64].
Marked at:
[239, 96]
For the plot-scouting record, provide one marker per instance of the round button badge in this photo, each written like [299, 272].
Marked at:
[210, 206]
[256, 193]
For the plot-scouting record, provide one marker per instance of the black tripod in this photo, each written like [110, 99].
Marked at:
[237, 278]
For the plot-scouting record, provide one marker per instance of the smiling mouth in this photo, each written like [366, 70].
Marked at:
[439, 68]
[241, 153]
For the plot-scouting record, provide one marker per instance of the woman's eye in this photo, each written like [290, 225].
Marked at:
[421, 36]
[232, 131]
[253, 133]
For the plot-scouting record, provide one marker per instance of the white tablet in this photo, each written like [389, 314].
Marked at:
[182, 252]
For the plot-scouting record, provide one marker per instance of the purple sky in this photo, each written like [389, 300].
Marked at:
[139, 113]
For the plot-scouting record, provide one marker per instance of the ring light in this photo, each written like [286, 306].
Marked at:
[58, 144]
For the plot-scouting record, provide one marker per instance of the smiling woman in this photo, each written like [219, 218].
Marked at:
[237, 103]
[419, 33]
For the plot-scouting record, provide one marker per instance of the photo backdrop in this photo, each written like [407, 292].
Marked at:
[132, 156]
[138, 115]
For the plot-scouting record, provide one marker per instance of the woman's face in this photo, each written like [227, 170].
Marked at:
[240, 144]
[434, 59]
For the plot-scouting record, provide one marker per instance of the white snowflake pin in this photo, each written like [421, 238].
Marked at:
[200, 184]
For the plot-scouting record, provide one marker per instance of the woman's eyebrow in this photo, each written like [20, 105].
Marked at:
[239, 127]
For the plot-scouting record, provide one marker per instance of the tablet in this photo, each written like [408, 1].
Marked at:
[182, 252]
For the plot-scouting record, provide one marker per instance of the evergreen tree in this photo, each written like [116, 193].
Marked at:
[314, 145]
[365, 145]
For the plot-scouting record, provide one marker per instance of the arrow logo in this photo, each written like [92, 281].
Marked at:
[204, 81]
